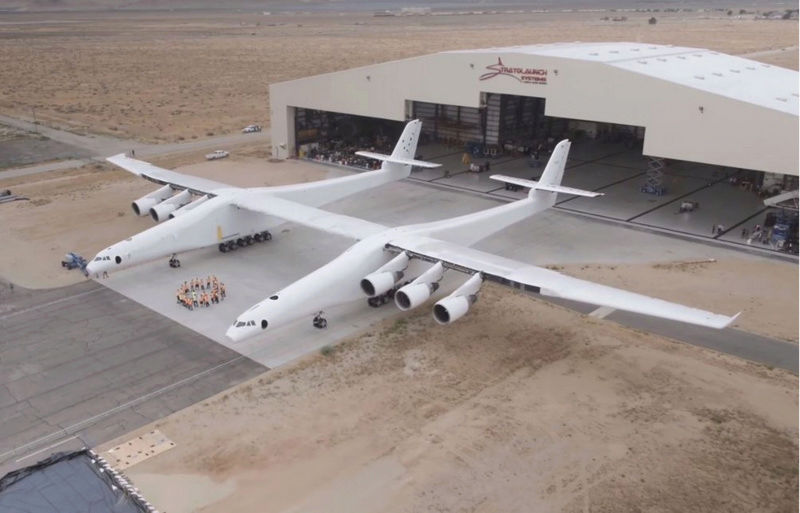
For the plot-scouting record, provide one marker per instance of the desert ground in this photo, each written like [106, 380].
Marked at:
[521, 406]
[178, 76]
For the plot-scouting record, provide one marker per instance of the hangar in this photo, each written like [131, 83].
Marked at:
[712, 113]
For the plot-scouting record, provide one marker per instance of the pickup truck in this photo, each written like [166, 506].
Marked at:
[217, 154]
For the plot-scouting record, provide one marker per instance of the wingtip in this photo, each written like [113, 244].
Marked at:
[732, 319]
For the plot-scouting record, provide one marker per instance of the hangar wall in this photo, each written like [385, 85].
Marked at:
[730, 130]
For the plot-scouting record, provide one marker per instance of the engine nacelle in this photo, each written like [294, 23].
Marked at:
[142, 206]
[419, 290]
[161, 211]
[414, 294]
[457, 304]
[376, 283]
[189, 207]
[386, 277]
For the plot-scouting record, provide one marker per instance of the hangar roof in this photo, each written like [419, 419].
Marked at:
[698, 68]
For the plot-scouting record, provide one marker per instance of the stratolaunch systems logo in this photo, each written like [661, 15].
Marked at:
[526, 75]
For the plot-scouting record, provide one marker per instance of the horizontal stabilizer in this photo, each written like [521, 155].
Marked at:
[397, 160]
[531, 184]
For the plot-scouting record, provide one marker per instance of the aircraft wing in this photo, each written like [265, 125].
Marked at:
[550, 283]
[311, 217]
[162, 176]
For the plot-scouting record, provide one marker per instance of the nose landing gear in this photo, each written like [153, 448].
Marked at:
[174, 262]
[319, 321]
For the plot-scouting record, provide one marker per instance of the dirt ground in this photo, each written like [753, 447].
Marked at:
[520, 406]
[178, 76]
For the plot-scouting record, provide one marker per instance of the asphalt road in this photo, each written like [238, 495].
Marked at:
[85, 364]
[101, 146]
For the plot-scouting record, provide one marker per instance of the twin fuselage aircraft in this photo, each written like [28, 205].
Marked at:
[377, 264]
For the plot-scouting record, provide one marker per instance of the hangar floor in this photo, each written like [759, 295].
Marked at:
[619, 173]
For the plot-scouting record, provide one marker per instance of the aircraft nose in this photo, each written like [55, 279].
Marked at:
[242, 329]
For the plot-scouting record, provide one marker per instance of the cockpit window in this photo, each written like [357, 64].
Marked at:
[240, 324]
[251, 323]
[98, 259]
[274, 297]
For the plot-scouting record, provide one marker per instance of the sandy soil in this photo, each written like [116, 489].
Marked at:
[520, 406]
[176, 76]
[765, 291]
[37, 233]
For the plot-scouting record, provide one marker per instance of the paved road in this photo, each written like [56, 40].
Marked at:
[85, 361]
[101, 146]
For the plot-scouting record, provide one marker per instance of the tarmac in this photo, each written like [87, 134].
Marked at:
[553, 237]
[82, 365]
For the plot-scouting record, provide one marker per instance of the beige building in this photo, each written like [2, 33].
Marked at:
[679, 103]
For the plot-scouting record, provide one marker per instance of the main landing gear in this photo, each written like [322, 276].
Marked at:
[174, 262]
[234, 244]
[378, 301]
[319, 321]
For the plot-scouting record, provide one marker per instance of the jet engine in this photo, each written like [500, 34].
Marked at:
[454, 306]
[161, 211]
[142, 206]
[419, 290]
[187, 208]
[385, 277]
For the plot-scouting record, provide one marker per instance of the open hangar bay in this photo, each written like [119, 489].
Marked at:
[678, 139]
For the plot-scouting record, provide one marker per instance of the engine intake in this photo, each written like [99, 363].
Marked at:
[161, 211]
[457, 304]
[419, 290]
[386, 277]
[142, 206]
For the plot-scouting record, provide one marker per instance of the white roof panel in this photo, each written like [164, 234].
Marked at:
[713, 72]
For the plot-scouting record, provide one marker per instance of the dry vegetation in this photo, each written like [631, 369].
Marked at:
[179, 76]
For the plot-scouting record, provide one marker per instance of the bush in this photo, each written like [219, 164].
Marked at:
[652, 21]
[326, 351]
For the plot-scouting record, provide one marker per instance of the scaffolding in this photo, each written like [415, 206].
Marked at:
[654, 183]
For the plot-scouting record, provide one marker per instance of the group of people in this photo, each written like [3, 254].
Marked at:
[199, 292]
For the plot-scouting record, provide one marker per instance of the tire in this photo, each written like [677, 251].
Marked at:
[257, 237]
[249, 240]
[266, 236]
[223, 247]
[240, 242]
[232, 246]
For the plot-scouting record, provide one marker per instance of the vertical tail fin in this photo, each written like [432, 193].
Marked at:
[553, 173]
[406, 147]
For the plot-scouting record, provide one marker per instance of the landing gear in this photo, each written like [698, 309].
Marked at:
[378, 301]
[174, 262]
[233, 245]
[319, 321]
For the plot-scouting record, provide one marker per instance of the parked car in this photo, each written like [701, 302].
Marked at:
[251, 128]
[217, 154]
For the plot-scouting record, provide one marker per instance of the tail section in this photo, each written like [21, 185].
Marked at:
[402, 158]
[550, 182]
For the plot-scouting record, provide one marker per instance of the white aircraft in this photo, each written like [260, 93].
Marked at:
[228, 216]
[374, 267]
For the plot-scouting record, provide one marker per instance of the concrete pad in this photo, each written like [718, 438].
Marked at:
[719, 204]
[625, 201]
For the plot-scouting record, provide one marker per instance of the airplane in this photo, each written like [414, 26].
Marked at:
[377, 263]
[220, 214]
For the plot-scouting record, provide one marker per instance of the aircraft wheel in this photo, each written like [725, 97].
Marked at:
[232, 245]
[249, 240]
[223, 247]
[257, 237]
[266, 235]
[240, 242]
